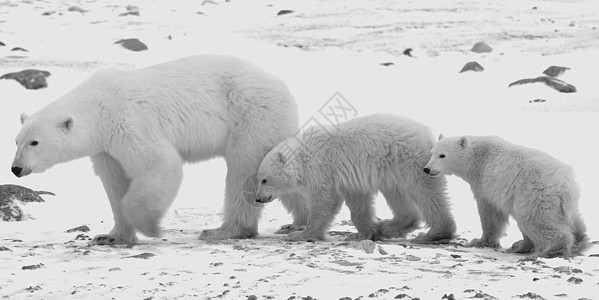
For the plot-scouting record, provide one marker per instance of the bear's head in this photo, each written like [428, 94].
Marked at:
[43, 141]
[278, 173]
[448, 156]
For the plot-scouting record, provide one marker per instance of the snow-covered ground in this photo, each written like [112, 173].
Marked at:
[322, 48]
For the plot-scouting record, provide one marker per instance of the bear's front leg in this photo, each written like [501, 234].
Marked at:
[362, 215]
[116, 185]
[298, 206]
[324, 205]
[493, 223]
[153, 188]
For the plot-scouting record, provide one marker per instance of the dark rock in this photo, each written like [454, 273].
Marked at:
[575, 280]
[472, 66]
[408, 52]
[252, 297]
[10, 212]
[21, 193]
[481, 47]
[555, 71]
[285, 12]
[537, 101]
[2, 248]
[559, 85]
[19, 49]
[455, 256]
[9, 194]
[83, 237]
[530, 295]
[32, 289]
[77, 9]
[145, 255]
[132, 44]
[48, 13]
[448, 297]
[31, 79]
[82, 228]
[2, 44]
[129, 13]
[387, 64]
[32, 267]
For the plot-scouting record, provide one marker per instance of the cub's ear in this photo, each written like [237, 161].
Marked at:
[441, 136]
[281, 157]
[67, 124]
[463, 142]
[24, 117]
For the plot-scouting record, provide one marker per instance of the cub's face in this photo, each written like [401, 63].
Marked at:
[40, 144]
[277, 176]
[447, 156]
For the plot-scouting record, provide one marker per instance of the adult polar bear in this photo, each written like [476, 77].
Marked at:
[140, 126]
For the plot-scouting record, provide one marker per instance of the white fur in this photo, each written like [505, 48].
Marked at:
[139, 127]
[536, 189]
[353, 162]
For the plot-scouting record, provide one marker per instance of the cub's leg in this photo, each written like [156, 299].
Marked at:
[522, 246]
[493, 223]
[298, 206]
[406, 215]
[324, 206]
[116, 185]
[550, 234]
[428, 193]
[362, 215]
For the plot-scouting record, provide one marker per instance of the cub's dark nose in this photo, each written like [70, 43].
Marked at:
[427, 170]
[17, 171]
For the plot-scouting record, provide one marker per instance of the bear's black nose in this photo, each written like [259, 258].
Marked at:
[427, 170]
[17, 171]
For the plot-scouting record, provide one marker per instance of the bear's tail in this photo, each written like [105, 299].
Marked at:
[581, 240]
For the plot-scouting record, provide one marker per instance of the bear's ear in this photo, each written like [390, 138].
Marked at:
[281, 157]
[463, 142]
[441, 136]
[67, 124]
[24, 117]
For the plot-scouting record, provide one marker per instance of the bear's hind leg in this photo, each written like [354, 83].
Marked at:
[406, 215]
[298, 206]
[549, 239]
[116, 185]
[429, 195]
[240, 218]
[362, 215]
[522, 246]
[493, 222]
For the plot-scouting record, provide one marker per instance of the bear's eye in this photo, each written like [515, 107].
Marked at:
[33, 143]
[442, 156]
[264, 181]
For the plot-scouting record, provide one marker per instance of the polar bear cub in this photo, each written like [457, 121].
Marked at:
[353, 162]
[506, 179]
